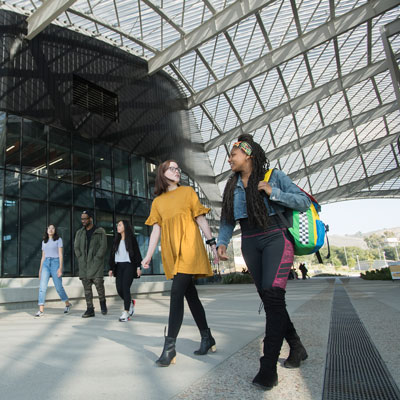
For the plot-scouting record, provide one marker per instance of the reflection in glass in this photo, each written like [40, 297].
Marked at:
[10, 238]
[138, 173]
[12, 183]
[82, 161]
[121, 171]
[34, 142]
[33, 187]
[60, 155]
[83, 196]
[2, 137]
[60, 192]
[102, 166]
[33, 224]
[60, 217]
[104, 200]
[13, 142]
[151, 178]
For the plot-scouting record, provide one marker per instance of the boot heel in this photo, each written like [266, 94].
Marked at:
[173, 361]
[213, 348]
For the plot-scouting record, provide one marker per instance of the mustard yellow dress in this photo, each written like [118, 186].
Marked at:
[182, 248]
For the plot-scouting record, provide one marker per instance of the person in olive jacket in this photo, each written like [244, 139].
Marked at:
[90, 249]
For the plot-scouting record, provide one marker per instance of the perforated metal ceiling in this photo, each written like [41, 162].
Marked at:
[315, 81]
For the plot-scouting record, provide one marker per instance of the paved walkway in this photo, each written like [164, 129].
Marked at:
[62, 356]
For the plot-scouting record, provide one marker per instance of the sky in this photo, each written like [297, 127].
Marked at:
[349, 217]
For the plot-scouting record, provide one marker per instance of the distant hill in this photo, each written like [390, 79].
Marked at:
[357, 240]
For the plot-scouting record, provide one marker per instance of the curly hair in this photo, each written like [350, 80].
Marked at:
[256, 210]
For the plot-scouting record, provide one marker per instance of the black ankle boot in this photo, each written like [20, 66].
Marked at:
[297, 354]
[207, 343]
[88, 313]
[267, 376]
[168, 355]
[103, 307]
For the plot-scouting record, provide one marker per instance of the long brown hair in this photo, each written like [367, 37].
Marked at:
[161, 184]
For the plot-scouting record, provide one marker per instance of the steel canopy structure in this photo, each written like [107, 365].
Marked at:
[316, 82]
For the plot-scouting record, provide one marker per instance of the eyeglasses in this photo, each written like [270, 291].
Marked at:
[173, 169]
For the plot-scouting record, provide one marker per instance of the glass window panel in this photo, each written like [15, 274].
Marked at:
[60, 155]
[138, 172]
[60, 192]
[123, 204]
[1, 233]
[13, 142]
[12, 183]
[140, 207]
[83, 196]
[151, 178]
[121, 171]
[102, 166]
[82, 161]
[32, 225]
[60, 217]
[2, 138]
[1, 181]
[33, 187]
[104, 200]
[10, 238]
[105, 220]
[34, 144]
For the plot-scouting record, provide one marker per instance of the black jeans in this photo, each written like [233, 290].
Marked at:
[183, 286]
[124, 277]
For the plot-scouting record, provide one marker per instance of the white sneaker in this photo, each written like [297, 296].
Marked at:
[124, 317]
[132, 308]
[39, 313]
[67, 308]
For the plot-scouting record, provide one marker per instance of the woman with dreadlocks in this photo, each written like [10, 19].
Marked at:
[267, 246]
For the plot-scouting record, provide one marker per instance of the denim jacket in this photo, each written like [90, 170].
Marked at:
[285, 194]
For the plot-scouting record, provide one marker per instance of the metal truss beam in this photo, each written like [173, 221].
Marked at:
[45, 14]
[347, 191]
[297, 103]
[217, 24]
[294, 48]
[346, 155]
[96, 20]
[324, 133]
[375, 194]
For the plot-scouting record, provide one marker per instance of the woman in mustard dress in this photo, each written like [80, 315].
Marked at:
[176, 215]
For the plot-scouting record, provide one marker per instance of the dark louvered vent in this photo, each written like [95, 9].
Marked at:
[95, 99]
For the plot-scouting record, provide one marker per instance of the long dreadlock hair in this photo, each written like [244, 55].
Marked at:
[256, 210]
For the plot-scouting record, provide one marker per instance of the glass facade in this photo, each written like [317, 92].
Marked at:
[49, 176]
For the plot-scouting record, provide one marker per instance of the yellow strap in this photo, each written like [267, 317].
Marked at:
[268, 175]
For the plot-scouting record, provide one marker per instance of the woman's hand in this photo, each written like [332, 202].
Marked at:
[222, 253]
[59, 272]
[262, 185]
[139, 272]
[146, 262]
[215, 253]
[110, 273]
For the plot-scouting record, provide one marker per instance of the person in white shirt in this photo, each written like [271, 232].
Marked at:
[51, 264]
[125, 265]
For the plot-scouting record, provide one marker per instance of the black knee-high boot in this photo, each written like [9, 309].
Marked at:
[275, 310]
[297, 352]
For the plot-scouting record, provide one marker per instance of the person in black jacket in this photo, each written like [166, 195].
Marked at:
[125, 265]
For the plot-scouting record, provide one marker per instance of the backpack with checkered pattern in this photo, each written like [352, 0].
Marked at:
[307, 229]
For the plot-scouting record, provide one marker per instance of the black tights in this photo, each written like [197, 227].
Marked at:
[183, 286]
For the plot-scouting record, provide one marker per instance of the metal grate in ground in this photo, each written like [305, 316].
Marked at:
[354, 367]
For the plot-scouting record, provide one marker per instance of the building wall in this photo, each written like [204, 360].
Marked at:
[57, 158]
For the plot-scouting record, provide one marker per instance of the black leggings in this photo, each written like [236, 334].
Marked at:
[124, 278]
[183, 286]
[269, 257]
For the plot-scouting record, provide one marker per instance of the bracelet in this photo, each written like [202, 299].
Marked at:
[211, 241]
